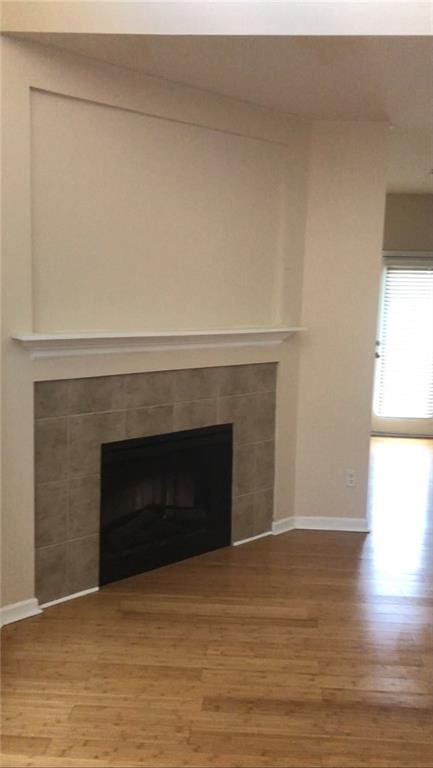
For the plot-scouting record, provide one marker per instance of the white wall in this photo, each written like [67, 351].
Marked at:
[80, 252]
[335, 17]
[158, 224]
[341, 281]
[269, 162]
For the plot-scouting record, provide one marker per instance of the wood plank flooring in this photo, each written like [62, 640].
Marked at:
[305, 649]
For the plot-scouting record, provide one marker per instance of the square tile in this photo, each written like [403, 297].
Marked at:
[50, 573]
[157, 420]
[263, 511]
[51, 456]
[86, 434]
[51, 513]
[243, 523]
[143, 389]
[244, 465]
[264, 464]
[253, 416]
[82, 558]
[235, 380]
[93, 395]
[196, 384]
[264, 416]
[51, 398]
[236, 409]
[263, 377]
[199, 413]
[84, 506]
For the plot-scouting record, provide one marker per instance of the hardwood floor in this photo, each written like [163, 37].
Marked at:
[304, 649]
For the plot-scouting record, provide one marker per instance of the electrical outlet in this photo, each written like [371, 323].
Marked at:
[350, 478]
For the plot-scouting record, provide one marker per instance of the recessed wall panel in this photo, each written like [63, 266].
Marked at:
[146, 223]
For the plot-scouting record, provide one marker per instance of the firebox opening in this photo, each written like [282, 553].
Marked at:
[164, 499]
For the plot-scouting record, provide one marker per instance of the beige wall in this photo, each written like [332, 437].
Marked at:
[341, 231]
[408, 223]
[341, 281]
[71, 215]
[158, 224]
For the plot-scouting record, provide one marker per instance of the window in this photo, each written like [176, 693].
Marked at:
[404, 383]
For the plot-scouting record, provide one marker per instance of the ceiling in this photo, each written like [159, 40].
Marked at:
[346, 78]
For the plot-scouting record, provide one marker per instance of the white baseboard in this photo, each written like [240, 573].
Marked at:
[358, 524]
[281, 526]
[28, 608]
[70, 597]
[332, 524]
[18, 611]
[252, 538]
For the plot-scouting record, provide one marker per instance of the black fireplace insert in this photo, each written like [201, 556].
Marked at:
[164, 499]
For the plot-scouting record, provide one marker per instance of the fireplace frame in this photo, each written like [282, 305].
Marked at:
[75, 416]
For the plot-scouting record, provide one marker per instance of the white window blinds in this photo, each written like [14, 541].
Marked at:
[404, 386]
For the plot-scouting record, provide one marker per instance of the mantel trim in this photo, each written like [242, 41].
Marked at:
[86, 343]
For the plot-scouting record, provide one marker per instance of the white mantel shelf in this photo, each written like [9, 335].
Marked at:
[100, 342]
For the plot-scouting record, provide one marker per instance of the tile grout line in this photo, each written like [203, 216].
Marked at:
[153, 405]
[67, 541]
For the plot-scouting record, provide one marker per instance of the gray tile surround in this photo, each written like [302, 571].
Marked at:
[74, 417]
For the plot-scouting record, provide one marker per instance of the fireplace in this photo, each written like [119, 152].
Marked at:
[75, 417]
[163, 499]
